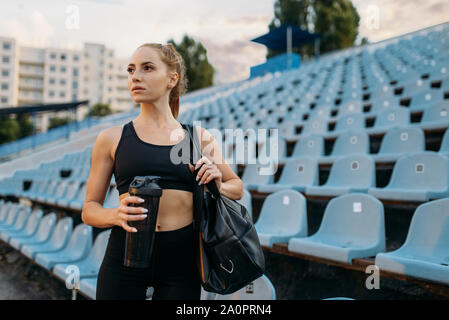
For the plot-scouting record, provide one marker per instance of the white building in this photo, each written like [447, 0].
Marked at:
[53, 75]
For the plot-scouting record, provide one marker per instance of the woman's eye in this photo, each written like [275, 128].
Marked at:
[146, 68]
[129, 70]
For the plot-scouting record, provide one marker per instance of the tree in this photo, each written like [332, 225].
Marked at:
[336, 20]
[58, 121]
[25, 124]
[9, 129]
[100, 110]
[199, 72]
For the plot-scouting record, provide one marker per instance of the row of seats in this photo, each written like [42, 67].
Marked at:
[353, 227]
[60, 247]
[417, 177]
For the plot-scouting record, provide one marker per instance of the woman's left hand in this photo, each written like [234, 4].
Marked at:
[207, 172]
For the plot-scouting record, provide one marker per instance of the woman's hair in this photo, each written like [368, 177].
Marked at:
[174, 62]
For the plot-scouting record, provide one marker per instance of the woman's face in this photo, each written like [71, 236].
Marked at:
[147, 71]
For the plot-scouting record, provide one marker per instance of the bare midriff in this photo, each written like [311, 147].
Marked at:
[175, 209]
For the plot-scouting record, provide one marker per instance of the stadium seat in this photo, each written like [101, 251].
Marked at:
[71, 192]
[29, 230]
[89, 266]
[354, 122]
[112, 198]
[283, 215]
[13, 213]
[297, 174]
[424, 99]
[19, 224]
[419, 176]
[444, 147]
[352, 227]
[435, 116]
[253, 176]
[347, 143]
[78, 202]
[425, 252]
[77, 249]
[4, 210]
[393, 117]
[246, 201]
[399, 141]
[259, 289]
[44, 232]
[353, 173]
[88, 287]
[58, 240]
[350, 108]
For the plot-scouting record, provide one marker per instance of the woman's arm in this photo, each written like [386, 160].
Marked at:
[231, 185]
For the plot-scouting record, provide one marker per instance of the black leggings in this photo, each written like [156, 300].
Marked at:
[175, 274]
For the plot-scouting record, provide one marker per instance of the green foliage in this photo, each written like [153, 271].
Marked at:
[58, 121]
[336, 20]
[9, 129]
[100, 110]
[199, 71]
[25, 123]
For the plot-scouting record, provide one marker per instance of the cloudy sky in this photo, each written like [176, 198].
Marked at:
[224, 27]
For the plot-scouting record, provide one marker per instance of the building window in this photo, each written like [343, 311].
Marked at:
[75, 85]
[63, 69]
[51, 93]
[52, 81]
[5, 73]
[62, 82]
[62, 94]
[63, 57]
[52, 68]
[4, 86]
[6, 46]
[76, 58]
[5, 59]
[75, 72]
[53, 55]
[74, 97]
[110, 89]
[4, 100]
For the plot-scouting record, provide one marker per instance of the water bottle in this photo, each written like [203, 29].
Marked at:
[139, 245]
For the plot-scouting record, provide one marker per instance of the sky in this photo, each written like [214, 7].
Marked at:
[225, 28]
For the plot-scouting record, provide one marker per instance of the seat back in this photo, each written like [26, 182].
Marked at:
[33, 221]
[356, 170]
[351, 143]
[99, 247]
[46, 227]
[273, 149]
[62, 232]
[316, 125]
[353, 219]
[350, 107]
[424, 99]
[80, 240]
[246, 201]
[301, 171]
[400, 140]
[353, 122]
[22, 217]
[438, 112]
[283, 212]
[394, 116]
[259, 289]
[421, 170]
[312, 145]
[6, 207]
[13, 214]
[444, 147]
[428, 234]
[113, 198]
[253, 174]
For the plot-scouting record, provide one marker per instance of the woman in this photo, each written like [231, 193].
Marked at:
[156, 80]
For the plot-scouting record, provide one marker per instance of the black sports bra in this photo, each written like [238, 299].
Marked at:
[135, 157]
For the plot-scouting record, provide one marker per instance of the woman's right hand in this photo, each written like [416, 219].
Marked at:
[125, 213]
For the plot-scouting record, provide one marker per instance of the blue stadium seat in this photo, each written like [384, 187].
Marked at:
[297, 174]
[444, 147]
[425, 252]
[89, 266]
[19, 224]
[44, 232]
[316, 125]
[259, 289]
[420, 176]
[13, 213]
[352, 227]
[354, 122]
[246, 201]
[77, 249]
[88, 287]
[424, 99]
[112, 198]
[70, 194]
[350, 108]
[58, 240]
[353, 173]
[78, 202]
[392, 117]
[4, 210]
[436, 116]
[29, 230]
[283, 215]
[347, 143]
[253, 176]
[399, 141]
